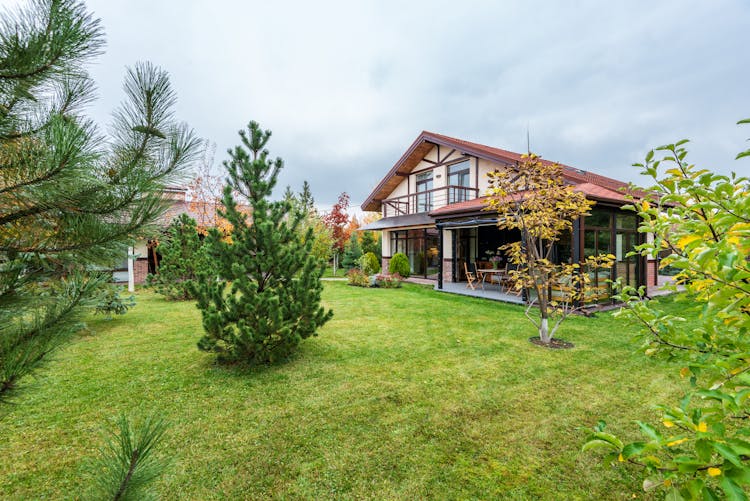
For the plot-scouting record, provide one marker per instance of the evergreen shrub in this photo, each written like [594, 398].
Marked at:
[399, 264]
[370, 264]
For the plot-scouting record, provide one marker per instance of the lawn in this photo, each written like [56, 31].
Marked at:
[405, 394]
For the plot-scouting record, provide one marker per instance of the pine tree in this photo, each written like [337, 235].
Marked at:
[183, 260]
[306, 200]
[352, 253]
[266, 297]
[70, 199]
[369, 243]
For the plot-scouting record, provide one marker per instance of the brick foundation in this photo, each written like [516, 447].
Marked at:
[140, 270]
[384, 262]
[447, 270]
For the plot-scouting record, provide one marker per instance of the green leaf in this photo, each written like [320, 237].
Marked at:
[673, 495]
[727, 453]
[649, 431]
[597, 443]
[744, 121]
[703, 450]
[732, 490]
[742, 155]
[633, 449]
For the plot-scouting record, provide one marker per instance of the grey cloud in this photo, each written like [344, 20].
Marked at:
[346, 86]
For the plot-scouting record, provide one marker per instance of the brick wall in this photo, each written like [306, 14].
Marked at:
[140, 270]
[651, 272]
[447, 270]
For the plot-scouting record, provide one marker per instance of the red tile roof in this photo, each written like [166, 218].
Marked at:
[593, 185]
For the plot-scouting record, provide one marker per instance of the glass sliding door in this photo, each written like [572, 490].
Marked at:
[424, 195]
[626, 238]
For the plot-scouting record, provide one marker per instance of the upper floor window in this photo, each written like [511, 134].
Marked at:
[424, 193]
[458, 178]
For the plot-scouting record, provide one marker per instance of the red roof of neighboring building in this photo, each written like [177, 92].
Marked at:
[595, 186]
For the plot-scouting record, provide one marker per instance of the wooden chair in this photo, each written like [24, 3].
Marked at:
[471, 276]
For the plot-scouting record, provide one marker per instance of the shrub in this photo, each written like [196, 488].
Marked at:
[399, 265]
[109, 302]
[358, 278]
[391, 281]
[370, 264]
[183, 261]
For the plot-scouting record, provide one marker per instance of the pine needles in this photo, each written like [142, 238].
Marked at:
[126, 465]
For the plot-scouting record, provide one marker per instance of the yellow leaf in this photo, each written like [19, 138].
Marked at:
[620, 458]
[668, 423]
[702, 427]
[667, 482]
[688, 239]
[714, 472]
[677, 442]
[684, 372]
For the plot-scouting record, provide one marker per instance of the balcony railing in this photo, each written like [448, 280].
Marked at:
[426, 201]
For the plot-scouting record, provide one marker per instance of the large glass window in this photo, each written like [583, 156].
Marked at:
[421, 247]
[458, 178]
[424, 195]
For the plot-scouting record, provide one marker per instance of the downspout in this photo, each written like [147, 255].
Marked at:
[440, 255]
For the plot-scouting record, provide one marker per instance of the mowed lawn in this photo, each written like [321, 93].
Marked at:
[406, 394]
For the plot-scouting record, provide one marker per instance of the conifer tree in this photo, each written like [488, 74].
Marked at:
[352, 253]
[183, 260]
[266, 296]
[369, 243]
[70, 199]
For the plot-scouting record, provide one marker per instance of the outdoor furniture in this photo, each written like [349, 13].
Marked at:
[471, 276]
[495, 276]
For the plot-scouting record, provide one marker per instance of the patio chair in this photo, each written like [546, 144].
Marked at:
[471, 276]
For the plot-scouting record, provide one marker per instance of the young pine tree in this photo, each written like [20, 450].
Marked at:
[266, 297]
[352, 252]
[183, 260]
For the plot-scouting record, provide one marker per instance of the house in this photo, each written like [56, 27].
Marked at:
[433, 199]
[144, 257]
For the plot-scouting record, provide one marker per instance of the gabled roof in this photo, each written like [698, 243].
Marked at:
[426, 140]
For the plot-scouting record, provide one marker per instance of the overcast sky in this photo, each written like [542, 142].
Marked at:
[347, 86]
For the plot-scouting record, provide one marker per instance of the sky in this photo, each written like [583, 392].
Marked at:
[347, 86]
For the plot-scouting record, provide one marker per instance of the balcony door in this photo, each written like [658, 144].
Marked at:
[458, 180]
[424, 193]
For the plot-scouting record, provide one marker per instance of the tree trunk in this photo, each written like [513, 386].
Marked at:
[544, 331]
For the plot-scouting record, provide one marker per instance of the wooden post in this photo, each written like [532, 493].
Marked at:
[131, 271]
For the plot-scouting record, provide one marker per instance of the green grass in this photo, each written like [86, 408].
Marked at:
[406, 394]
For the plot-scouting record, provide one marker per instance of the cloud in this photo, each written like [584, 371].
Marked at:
[347, 86]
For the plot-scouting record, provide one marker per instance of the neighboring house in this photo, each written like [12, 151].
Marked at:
[433, 200]
[146, 256]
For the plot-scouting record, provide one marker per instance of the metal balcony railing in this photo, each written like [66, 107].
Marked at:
[426, 201]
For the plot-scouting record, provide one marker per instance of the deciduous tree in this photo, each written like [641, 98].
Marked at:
[700, 449]
[533, 199]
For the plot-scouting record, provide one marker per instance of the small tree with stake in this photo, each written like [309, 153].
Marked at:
[266, 297]
[533, 198]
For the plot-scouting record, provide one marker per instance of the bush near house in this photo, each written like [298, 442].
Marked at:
[399, 264]
[358, 278]
[370, 264]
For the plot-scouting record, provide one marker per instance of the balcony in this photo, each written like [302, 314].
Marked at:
[426, 201]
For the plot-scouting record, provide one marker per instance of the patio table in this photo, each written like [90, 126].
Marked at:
[490, 271]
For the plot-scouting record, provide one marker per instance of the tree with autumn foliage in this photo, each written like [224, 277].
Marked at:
[532, 198]
[337, 220]
[71, 199]
[700, 448]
